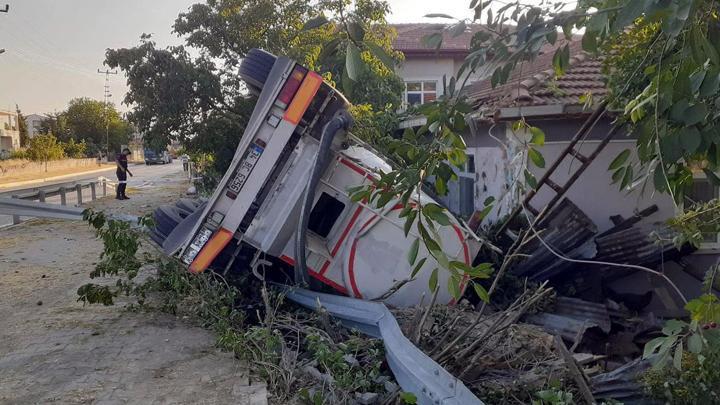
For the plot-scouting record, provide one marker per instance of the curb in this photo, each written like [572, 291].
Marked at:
[51, 179]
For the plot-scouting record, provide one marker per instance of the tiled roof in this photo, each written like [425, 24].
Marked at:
[535, 84]
[409, 38]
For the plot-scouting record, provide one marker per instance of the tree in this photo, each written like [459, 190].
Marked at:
[22, 127]
[201, 102]
[86, 120]
[44, 148]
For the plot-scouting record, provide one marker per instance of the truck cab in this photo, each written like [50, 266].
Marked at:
[351, 247]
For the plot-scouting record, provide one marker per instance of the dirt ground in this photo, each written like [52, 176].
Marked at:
[54, 350]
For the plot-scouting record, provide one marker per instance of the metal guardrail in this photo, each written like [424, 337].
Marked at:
[43, 193]
[413, 369]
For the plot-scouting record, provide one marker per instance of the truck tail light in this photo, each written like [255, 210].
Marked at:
[210, 251]
[291, 86]
[302, 99]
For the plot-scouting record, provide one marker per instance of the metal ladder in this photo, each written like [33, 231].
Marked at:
[569, 150]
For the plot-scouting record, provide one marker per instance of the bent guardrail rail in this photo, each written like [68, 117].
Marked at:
[413, 369]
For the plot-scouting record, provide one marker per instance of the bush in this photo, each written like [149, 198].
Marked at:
[697, 383]
[75, 150]
[19, 154]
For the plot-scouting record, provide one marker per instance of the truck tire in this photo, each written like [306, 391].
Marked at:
[255, 67]
[167, 217]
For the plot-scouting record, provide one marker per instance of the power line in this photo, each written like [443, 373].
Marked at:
[106, 98]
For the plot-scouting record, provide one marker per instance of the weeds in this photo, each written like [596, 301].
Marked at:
[301, 355]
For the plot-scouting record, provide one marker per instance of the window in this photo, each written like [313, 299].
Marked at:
[470, 164]
[703, 191]
[420, 92]
[324, 214]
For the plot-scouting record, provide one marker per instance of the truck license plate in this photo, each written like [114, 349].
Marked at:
[244, 170]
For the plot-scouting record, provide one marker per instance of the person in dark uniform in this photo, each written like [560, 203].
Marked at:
[122, 172]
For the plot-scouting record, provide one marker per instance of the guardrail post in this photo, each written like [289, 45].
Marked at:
[16, 218]
[63, 196]
[92, 191]
[41, 196]
[78, 187]
[104, 183]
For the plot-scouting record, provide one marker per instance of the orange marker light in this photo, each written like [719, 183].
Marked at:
[210, 251]
[303, 97]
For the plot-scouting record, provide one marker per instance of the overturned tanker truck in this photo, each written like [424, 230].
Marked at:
[285, 199]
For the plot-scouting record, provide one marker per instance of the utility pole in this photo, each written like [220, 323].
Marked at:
[106, 98]
[4, 10]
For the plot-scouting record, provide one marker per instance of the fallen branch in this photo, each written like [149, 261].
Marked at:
[575, 371]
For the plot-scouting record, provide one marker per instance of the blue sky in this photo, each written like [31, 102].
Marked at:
[54, 47]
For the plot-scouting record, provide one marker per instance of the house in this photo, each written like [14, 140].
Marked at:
[33, 123]
[559, 106]
[9, 131]
[424, 66]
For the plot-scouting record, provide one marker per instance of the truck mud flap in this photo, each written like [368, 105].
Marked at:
[413, 369]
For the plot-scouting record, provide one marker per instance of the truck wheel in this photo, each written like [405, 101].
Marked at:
[255, 67]
[167, 218]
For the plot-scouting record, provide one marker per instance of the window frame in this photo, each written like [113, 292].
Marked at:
[422, 92]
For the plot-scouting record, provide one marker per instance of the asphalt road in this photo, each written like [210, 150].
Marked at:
[145, 177]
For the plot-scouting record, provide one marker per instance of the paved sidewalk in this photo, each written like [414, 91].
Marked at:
[54, 350]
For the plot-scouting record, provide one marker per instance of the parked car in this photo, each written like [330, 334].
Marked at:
[152, 157]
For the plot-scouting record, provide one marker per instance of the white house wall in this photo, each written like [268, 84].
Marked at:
[593, 191]
[427, 68]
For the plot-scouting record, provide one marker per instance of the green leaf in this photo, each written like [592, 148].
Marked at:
[413, 252]
[441, 258]
[589, 42]
[619, 160]
[695, 343]
[409, 222]
[433, 40]
[629, 13]
[530, 179]
[381, 54]
[385, 198]
[454, 287]
[458, 29]
[677, 358]
[690, 139]
[436, 213]
[696, 80]
[538, 136]
[433, 283]
[356, 31]
[627, 178]
[711, 84]
[353, 62]
[315, 22]
[652, 346]
[418, 266]
[440, 186]
[481, 292]
[618, 175]
[536, 158]
[694, 114]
